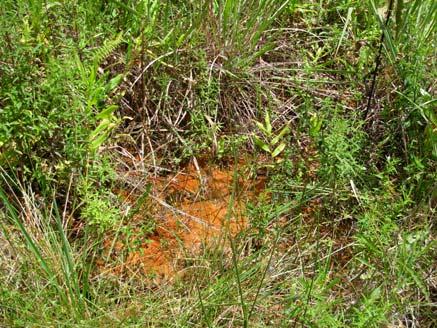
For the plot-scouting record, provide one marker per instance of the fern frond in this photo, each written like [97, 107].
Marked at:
[106, 49]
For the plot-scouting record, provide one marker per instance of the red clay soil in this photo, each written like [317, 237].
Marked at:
[199, 216]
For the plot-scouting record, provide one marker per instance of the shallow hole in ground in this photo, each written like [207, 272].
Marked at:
[199, 207]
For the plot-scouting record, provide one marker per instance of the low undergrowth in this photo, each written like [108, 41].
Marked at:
[328, 107]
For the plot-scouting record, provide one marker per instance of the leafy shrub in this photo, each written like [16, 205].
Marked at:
[51, 100]
[99, 209]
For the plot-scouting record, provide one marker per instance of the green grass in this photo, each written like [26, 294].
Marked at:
[332, 101]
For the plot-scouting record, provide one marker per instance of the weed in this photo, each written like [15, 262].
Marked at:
[273, 144]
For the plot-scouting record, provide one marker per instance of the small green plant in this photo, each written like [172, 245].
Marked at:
[271, 142]
[226, 144]
[340, 149]
[316, 122]
[100, 207]
[98, 210]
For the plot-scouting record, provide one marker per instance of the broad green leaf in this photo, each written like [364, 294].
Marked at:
[103, 125]
[315, 125]
[261, 144]
[107, 112]
[97, 142]
[281, 134]
[113, 83]
[268, 124]
[278, 150]
[261, 127]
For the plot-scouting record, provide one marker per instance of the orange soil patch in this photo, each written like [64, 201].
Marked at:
[200, 216]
